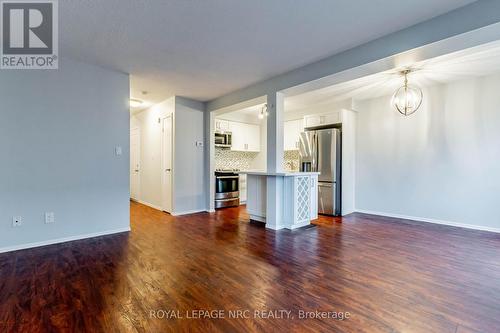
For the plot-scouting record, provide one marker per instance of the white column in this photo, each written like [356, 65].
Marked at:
[209, 119]
[275, 155]
[275, 128]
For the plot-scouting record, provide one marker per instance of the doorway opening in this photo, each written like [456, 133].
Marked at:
[152, 143]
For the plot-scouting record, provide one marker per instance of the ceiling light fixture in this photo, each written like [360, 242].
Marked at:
[408, 98]
[263, 112]
[135, 103]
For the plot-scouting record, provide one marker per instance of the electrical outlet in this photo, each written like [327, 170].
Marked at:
[17, 221]
[50, 217]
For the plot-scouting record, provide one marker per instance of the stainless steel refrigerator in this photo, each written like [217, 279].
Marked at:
[320, 151]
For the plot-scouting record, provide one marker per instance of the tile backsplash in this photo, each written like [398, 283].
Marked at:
[291, 160]
[229, 159]
[242, 160]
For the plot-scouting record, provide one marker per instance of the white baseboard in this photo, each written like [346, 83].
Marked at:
[257, 218]
[62, 240]
[187, 212]
[428, 220]
[149, 204]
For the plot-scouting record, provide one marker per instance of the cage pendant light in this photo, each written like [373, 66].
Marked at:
[408, 98]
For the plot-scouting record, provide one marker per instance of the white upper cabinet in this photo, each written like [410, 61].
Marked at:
[238, 137]
[323, 119]
[245, 137]
[253, 137]
[292, 129]
[221, 125]
[331, 118]
[312, 121]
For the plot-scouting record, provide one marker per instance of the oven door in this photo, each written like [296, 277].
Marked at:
[227, 187]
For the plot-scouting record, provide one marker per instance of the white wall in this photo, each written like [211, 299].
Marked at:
[151, 145]
[299, 113]
[187, 173]
[241, 117]
[58, 134]
[441, 163]
[465, 27]
[349, 118]
[189, 159]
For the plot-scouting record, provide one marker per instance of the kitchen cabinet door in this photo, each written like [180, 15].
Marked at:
[292, 129]
[331, 118]
[252, 137]
[243, 189]
[288, 135]
[314, 197]
[312, 121]
[221, 125]
[239, 135]
[300, 129]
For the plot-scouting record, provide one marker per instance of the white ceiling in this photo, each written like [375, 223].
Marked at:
[474, 62]
[248, 114]
[478, 61]
[203, 49]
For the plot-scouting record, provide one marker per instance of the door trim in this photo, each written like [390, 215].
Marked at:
[138, 129]
[163, 167]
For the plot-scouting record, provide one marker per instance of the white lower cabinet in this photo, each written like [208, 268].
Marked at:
[243, 188]
[298, 193]
[314, 198]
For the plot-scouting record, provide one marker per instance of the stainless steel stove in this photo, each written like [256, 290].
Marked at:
[227, 192]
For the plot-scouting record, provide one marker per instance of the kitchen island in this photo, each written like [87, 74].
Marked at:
[296, 198]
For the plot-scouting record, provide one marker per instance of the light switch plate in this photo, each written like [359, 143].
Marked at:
[118, 150]
[50, 218]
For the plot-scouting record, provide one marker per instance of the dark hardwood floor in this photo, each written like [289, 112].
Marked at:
[390, 277]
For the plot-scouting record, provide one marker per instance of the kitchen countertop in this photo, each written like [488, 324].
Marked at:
[277, 174]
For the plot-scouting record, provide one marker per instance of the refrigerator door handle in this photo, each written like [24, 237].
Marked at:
[315, 151]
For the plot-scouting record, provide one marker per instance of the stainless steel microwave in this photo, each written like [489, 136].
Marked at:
[223, 139]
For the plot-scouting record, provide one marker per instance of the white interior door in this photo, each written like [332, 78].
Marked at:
[135, 163]
[167, 164]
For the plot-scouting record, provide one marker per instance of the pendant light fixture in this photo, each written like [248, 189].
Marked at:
[263, 112]
[408, 98]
